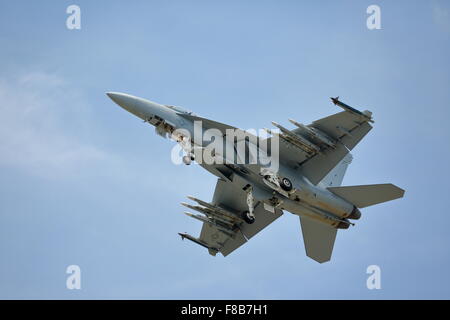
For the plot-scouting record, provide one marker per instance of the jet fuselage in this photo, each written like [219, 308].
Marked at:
[302, 198]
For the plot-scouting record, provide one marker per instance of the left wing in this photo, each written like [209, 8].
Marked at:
[317, 148]
[347, 129]
[223, 228]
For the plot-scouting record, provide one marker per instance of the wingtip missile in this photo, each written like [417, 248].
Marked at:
[198, 241]
[365, 114]
[182, 235]
[335, 100]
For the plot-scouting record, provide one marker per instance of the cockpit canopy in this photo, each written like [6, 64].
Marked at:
[179, 109]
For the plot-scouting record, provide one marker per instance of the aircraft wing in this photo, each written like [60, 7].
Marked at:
[317, 148]
[347, 129]
[223, 238]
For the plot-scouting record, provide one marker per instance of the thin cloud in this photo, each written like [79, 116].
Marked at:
[441, 16]
[32, 121]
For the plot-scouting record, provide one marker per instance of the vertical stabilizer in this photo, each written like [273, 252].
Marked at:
[334, 177]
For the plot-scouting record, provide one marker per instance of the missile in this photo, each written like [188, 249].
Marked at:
[227, 230]
[208, 212]
[298, 140]
[197, 241]
[291, 141]
[316, 133]
[201, 202]
[269, 131]
[366, 114]
[295, 136]
[296, 144]
[198, 217]
[216, 210]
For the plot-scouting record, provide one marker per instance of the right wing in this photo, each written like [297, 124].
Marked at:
[229, 201]
[318, 238]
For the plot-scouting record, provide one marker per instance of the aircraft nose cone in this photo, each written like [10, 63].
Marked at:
[124, 100]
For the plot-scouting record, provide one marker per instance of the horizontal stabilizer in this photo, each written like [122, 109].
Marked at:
[318, 238]
[368, 195]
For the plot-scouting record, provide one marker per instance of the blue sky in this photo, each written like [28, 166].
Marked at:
[83, 182]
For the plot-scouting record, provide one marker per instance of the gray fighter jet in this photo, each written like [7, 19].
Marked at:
[303, 175]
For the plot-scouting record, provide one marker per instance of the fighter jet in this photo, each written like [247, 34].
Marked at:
[303, 177]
